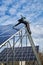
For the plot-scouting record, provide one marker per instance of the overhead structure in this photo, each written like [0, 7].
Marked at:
[9, 32]
[22, 20]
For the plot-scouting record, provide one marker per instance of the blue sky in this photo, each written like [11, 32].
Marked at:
[10, 11]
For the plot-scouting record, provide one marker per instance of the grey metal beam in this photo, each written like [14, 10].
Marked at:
[33, 47]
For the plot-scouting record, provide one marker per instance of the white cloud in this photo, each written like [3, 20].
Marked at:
[37, 32]
[12, 11]
[32, 9]
[7, 2]
[10, 21]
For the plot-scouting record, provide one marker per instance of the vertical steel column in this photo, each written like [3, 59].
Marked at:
[13, 50]
[21, 38]
[26, 37]
[26, 40]
[21, 41]
[7, 53]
